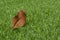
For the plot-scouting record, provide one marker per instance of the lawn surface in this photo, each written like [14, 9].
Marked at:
[43, 19]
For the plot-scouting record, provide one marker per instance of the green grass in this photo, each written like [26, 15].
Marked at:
[43, 19]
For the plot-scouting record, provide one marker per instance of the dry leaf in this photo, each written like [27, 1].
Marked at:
[19, 20]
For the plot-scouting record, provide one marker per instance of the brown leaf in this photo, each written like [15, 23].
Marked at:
[19, 20]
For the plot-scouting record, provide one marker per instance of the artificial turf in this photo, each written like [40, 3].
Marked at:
[43, 19]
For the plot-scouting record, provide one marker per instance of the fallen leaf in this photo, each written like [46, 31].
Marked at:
[19, 20]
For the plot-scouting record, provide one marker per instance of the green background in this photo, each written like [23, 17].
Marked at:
[43, 19]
